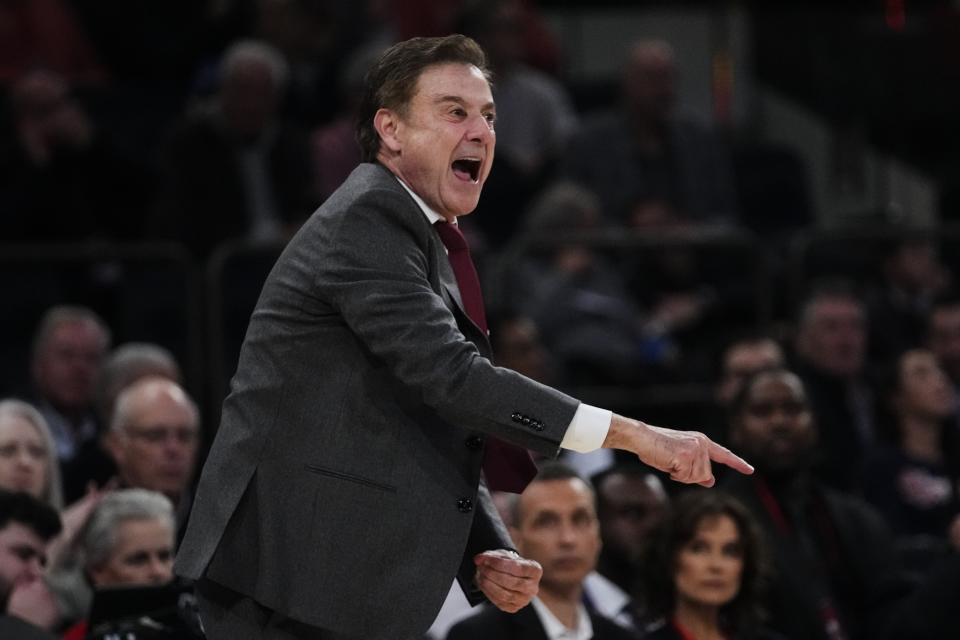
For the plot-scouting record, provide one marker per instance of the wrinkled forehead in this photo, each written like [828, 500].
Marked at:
[452, 79]
[556, 495]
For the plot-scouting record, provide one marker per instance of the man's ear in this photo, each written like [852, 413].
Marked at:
[389, 126]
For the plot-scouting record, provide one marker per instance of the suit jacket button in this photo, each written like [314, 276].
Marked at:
[516, 417]
[474, 443]
[538, 425]
[526, 421]
[465, 505]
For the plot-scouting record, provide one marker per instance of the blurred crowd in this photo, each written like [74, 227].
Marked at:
[620, 244]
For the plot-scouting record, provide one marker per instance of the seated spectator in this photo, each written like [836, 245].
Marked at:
[334, 145]
[516, 345]
[128, 363]
[28, 464]
[46, 32]
[704, 570]
[28, 460]
[580, 300]
[154, 438]
[914, 481]
[128, 541]
[68, 349]
[837, 572]
[555, 524]
[631, 503]
[830, 349]
[742, 358]
[63, 179]
[646, 163]
[26, 526]
[912, 276]
[235, 168]
[535, 116]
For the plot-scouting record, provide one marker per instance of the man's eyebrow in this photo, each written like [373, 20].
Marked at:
[490, 106]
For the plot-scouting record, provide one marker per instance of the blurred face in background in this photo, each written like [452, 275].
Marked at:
[155, 445]
[709, 567]
[833, 335]
[502, 39]
[143, 555]
[774, 428]
[557, 527]
[924, 390]
[22, 558]
[650, 81]
[249, 98]
[518, 347]
[24, 458]
[743, 359]
[915, 267]
[630, 507]
[66, 365]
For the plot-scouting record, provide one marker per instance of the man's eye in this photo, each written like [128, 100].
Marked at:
[137, 559]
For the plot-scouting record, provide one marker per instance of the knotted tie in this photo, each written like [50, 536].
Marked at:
[506, 467]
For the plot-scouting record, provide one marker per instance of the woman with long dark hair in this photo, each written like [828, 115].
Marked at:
[704, 569]
[914, 480]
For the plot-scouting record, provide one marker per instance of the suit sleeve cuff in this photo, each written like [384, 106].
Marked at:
[588, 429]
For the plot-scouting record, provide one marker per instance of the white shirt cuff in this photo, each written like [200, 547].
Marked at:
[588, 429]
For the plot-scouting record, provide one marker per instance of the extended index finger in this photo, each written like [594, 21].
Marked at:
[719, 453]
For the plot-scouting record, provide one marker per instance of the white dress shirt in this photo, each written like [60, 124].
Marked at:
[556, 630]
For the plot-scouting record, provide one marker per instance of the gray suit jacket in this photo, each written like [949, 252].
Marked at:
[342, 488]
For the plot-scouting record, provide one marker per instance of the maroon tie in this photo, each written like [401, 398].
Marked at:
[507, 467]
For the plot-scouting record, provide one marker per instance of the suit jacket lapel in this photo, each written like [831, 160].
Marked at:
[448, 280]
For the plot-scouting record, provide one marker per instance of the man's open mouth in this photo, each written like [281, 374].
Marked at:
[467, 169]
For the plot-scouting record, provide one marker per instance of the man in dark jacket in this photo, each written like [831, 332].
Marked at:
[556, 525]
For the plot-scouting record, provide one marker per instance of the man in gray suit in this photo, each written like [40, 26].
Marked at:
[342, 491]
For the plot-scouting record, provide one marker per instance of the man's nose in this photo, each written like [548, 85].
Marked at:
[159, 571]
[568, 534]
[34, 568]
[480, 130]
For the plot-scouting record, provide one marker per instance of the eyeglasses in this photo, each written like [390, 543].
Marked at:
[159, 435]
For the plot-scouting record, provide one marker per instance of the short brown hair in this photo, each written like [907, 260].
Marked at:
[391, 81]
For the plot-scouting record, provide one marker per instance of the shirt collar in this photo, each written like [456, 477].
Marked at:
[606, 598]
[432, 216]
[556, 630]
